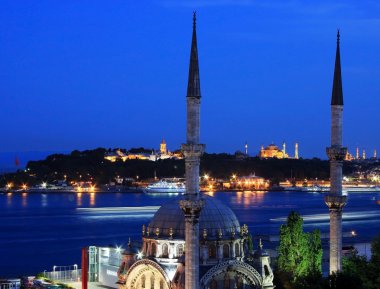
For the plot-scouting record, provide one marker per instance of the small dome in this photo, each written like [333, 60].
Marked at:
[216, 219]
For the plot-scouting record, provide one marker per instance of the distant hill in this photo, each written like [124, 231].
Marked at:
[8, 159]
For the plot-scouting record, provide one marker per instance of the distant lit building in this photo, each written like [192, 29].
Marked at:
[162, 154]
[250, 182]
[272, 151]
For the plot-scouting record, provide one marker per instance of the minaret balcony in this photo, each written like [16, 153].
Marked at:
[336, 153]
[335, 202]
[192, 150]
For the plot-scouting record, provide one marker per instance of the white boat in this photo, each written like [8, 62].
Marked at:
[168, 185]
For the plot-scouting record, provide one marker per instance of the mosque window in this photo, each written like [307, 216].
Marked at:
[212, 251]
[226, 251]
[266, 270]
[154, 250]
[165, 250]
[214, 284]
[143, 281]
[179, 250]
[237, 250]
[239, 283]
[151, 282]
[227, 283]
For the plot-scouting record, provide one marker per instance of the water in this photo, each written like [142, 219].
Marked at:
[38, 231]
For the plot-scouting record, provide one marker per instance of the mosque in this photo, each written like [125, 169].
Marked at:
[194, 242]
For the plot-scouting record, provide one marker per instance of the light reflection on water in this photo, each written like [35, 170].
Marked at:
[64, 222]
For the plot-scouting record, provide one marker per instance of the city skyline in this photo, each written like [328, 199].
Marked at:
[78, 76]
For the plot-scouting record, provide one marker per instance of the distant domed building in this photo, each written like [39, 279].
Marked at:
[273, 151]
[225, 261]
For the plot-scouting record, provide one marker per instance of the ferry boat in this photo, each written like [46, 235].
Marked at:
[168, 185]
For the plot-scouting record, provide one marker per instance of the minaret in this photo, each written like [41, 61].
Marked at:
[375, 154]
[192, 150]
[246, 149]
[283, 148]
[357, 153]
[364, 155]
[296, 151]
[336, 153]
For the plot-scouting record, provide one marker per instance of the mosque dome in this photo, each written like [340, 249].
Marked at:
[216, 220]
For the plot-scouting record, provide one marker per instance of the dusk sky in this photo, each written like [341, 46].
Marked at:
[87, 74]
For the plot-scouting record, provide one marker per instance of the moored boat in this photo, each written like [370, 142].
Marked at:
[167, 185]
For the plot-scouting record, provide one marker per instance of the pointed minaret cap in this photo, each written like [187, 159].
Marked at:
[337, 91]
[194, 86]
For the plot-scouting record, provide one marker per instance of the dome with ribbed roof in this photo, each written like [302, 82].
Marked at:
[216, 219]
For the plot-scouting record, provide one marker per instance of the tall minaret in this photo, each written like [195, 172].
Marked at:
[192, 150]
[296, 151]
[283, 148]
[246, 149]
[336, 153]
[363, 155]
[375, 154]
[357, 153]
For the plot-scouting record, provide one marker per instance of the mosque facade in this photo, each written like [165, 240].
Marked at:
[194, 241]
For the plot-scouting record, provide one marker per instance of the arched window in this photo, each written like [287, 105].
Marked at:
[212, 252]
[179, 250]
[214, 284]
[143, 281]
[152, 282]
[239, 283]
[226, 283]
[266, 270]
[146, 248]
[165, 250]
[226, 251]
[161, 284]
[237, 250]
[154, 249]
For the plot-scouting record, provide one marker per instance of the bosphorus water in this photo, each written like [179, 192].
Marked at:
[38, 231]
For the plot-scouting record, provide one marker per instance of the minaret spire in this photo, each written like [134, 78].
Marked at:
[336, 153]
[192, 203]
[194, 86]
[337, 91]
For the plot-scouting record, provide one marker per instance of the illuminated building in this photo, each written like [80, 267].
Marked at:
[336, 153]
[272, 151]
[249, 182]
[349, 157]
[163, 149]
[162, 154]
[194, 242]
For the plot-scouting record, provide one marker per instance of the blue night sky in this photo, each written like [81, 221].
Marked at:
[87, 74]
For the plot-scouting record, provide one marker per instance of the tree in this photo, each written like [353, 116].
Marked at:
[299, 254]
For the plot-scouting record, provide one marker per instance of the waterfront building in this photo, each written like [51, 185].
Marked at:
[195, 242]
[336, 153]
[251, 182]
